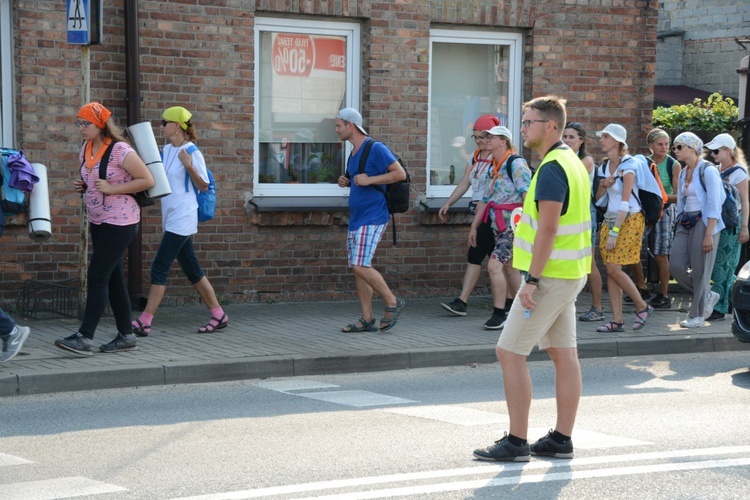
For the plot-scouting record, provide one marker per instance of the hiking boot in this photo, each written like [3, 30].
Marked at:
[694, 322]
[456, 306]
[548, 447]
[77, 344]
[504, 451]
[711, 301]
[13, 342]
[660, 302]
[645, 295]
[496, 322]
[121, 343]
[593, 314]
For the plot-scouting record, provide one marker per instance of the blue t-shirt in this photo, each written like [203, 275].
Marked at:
[367, 204]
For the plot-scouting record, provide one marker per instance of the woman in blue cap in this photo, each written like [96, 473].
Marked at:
[179, 213]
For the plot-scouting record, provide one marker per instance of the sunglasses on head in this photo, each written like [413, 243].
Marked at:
[574, 125]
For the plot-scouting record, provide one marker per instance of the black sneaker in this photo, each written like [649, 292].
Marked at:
[13, 342]
[645, 295]
[660, 302]
[504, 451]
[121, 343]
[456, 306]
[716, 316]
[547, 447]
[77, 344]
[496, 322]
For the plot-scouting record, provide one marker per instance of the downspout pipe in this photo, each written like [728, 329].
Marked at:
[133, 102]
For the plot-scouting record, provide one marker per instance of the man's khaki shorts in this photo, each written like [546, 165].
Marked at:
[552, 323]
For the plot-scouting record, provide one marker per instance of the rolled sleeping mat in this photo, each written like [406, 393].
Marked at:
[145, 144]
[40, 223]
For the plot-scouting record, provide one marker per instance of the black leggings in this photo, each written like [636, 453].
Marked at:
[485, 244]
[107, 279]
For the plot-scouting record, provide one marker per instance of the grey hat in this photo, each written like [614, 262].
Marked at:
[351, 115]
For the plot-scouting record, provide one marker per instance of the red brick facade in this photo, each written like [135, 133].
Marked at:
[596, 53]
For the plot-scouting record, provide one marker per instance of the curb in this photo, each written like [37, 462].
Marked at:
[260, 367]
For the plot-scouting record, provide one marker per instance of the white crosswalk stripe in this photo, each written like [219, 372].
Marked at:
[585, 468]
[51, 489]
[6, 460]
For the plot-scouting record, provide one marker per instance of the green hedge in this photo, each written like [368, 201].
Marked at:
[706, 119]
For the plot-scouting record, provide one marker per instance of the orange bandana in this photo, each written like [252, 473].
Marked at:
[92, 159]
[95, 113]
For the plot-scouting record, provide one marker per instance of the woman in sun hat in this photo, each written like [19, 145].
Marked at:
[179, 213]
[114, 218]
[733, 168]
[623, 226]
[699, 198]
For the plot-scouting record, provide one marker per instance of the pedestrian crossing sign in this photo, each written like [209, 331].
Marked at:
[84, 21]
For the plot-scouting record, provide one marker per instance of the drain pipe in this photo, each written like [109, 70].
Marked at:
[133, 100]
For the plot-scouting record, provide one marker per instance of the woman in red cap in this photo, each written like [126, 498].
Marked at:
[114, 217]
[179, 213]
[475, 177]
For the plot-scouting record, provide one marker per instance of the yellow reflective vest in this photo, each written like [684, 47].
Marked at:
[571, 252]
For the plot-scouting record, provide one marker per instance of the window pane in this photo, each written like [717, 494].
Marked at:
[302, 87]
[468, 80]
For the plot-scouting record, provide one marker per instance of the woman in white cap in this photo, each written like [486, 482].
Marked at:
[733, 167]
[509, 180]
[699, 198]
[475, 177]
[179, 213]
[622, 230]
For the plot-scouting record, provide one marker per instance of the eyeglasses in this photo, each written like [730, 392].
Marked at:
[82, 123]
[164, 123]
[677, 147]
[527, 123]
[715, 151]
[478, 138]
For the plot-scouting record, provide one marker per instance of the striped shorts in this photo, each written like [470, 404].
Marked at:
[361, 244]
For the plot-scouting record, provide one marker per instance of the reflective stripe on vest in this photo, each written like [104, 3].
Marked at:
[571, 251]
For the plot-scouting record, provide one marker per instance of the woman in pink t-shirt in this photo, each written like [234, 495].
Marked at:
[114, 217]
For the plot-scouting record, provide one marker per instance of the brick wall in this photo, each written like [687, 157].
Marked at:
[200, 55]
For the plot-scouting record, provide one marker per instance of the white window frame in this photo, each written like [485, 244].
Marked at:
[353, 43]
[515, 84]
[6, 75]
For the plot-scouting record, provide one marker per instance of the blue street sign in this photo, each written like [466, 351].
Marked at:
[78, 22]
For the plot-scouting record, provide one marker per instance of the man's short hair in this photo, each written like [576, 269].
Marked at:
[550, 107]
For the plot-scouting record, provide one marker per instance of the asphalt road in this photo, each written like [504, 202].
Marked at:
[649, 427]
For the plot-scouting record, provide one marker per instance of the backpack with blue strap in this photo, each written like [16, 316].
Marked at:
[206, 199]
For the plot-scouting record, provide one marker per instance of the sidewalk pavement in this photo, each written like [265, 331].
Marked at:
[299, 339]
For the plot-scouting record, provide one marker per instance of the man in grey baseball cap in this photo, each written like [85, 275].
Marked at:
[352, 116]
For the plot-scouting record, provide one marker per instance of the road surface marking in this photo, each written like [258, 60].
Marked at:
[294, 385]
[6, 460]
[545, 465]
[452, 414]
[51, 489]
[358, 399]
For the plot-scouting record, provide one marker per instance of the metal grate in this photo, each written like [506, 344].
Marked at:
[48, 300]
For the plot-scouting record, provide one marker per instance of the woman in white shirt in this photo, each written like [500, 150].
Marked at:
[179, 213]
[699, 224]
[622, 230]
[733, 167]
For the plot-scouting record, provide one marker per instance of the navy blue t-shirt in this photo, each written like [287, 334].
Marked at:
[552, 183]
[367, 205]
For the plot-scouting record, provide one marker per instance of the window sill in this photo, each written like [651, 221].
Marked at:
[430, 205]
[299, 203]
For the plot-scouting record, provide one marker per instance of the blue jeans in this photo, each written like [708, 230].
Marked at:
[107, 279]
[6, 322]
[173, 246]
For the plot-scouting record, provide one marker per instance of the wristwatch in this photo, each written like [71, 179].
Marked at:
[531, 279]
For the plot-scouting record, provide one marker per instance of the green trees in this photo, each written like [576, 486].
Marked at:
[706, 119]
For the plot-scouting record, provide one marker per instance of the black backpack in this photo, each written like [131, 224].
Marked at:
[396, 194]
[142, 197]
